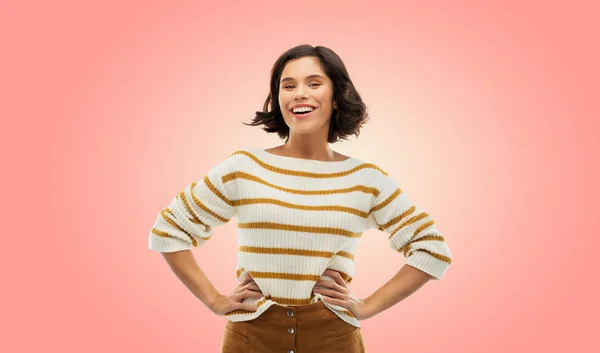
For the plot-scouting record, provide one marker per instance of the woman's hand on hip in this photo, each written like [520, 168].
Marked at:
[234, 301]
[338, 293]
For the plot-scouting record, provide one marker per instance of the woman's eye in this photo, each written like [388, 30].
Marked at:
[292, 86]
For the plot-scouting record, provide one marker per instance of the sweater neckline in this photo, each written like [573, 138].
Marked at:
[304, 161]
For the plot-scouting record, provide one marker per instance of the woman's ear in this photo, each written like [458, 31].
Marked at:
[334, 105]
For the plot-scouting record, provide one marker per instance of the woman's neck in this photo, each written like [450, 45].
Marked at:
[324, 153]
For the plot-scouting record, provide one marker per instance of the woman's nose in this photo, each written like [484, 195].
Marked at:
[301, 92]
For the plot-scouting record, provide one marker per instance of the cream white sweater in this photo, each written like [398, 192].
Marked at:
[296, 218]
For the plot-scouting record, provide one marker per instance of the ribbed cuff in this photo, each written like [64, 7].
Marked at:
[428, 264]
[170, 244]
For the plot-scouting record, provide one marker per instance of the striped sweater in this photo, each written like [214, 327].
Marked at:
[296, 218]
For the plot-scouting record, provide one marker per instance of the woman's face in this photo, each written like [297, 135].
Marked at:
[304, 84]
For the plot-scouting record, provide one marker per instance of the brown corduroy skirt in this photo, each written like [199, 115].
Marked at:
[311, 328]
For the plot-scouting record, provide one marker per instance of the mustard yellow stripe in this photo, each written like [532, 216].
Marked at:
[410, 221]
[279, 300]
[161, 233]
[204, 208]
[287, 276]
[239, 272]
[429, 237]
[398, 218]
[291, 301]
[387, 201]
[195, 221]
[243, 202]
[308, 174]
[195, 218]
[216, 191]
[242, 311]
[285, 251]
[295, 228]
[242, 175]
[175, 225]
[346, 277]
[406, 247]
[261, 302]
[345, 254]
[349, 313]
[437, 256]
[423, 226]
[415, 233]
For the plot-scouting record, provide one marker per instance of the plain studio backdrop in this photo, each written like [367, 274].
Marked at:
[485, 113]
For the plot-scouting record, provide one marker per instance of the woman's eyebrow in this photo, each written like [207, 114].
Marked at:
[307, 77]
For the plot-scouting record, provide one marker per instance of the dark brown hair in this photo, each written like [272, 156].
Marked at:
[351, 112]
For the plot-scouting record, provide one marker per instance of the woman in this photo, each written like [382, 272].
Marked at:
[301, 208]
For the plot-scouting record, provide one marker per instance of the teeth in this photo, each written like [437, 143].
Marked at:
[303, 109]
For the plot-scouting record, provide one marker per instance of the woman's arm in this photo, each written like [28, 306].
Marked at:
[402, 285]
[185, 267]
[189, 221]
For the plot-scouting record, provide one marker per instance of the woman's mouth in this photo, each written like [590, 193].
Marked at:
[303, 115]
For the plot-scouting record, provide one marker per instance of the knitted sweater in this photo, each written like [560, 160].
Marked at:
[296, 218]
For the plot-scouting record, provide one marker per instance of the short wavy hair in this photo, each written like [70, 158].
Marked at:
[351, 112]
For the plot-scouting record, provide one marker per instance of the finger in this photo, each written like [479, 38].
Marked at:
[329, 278]
[247, 279]
[337, 302]
[239, 289]
[324, 281]
[337, 277]
[332, 293]
[328, 284]
[253, 294]
[334, 286]
[247, 307]
[245, 287]
[246, 294]
[254, 286]
[248, 286]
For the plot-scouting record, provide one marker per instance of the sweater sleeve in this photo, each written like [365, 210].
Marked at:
[411, 231]
[189, 220]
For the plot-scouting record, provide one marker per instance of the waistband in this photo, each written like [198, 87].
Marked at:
[301, 313]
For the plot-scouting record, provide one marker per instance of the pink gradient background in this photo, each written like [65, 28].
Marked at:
[486, 115]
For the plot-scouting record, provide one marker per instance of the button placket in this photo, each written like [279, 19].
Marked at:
[291, 330]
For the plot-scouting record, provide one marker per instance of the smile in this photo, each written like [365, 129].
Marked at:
[304, 115]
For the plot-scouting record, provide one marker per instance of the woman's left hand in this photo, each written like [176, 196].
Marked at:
[336, 292]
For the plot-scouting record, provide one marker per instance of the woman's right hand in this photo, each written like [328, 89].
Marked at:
[234, 301]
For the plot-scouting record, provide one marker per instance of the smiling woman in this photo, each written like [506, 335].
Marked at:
[301, 209]
[315, 77]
